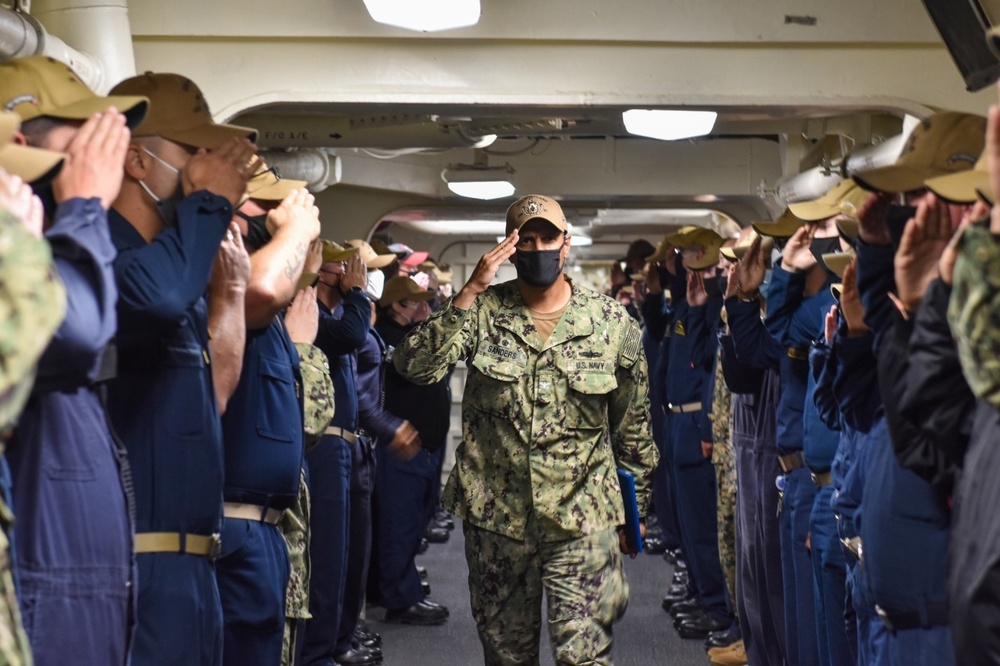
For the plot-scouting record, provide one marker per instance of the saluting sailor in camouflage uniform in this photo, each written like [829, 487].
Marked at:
[33, 302]
[555, 400]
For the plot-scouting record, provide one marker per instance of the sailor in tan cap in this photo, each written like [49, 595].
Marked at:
[73, 528]
[172, 227]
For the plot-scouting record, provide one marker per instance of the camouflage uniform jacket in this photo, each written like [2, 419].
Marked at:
[318, 391]
[974, 309]
[544, 425]
[32, 306]
[294, 523]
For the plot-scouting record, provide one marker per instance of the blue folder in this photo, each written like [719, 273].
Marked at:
[633, 533]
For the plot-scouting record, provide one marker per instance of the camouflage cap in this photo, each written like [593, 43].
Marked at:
[535, 206]
[33, 165]
[402, 288]
[179, 111]
[40, 86]
[946, 142]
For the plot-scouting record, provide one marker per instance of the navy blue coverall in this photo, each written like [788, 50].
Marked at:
[73, 539]
[163, 406]
[693, 345]
[341, 333]
[262, 433]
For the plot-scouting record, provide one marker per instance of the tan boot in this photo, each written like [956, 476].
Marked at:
[734, 655]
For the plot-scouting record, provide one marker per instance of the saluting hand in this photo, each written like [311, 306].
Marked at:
[871, 219]
[17, 199]
[302, 317]
[797, 257]
[993, 161]
[749, 273]
[696, 293]
[653, 285]
[223, 171]
[297, 208]
[924, 240]
[355, 274]
[95, 160]
[231, 270]
[485, 271]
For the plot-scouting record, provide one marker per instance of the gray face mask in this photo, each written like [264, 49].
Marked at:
[167, 208]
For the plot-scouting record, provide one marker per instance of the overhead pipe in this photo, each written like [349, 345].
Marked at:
[319, 168]
[101, 54]
[807, 185]
[882, 155]
[390, 133]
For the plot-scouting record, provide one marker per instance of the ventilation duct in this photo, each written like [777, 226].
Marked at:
[317, 167]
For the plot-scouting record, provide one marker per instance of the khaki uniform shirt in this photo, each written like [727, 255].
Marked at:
[544, 425]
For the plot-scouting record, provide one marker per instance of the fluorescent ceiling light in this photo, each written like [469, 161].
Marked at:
[483, 189]
[668, 125]
[479, 182]
[425, 15]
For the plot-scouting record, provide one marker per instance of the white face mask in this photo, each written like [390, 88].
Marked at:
[376, 281]
[164, 163]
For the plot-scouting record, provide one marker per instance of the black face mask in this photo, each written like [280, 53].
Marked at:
[539, 268]
[713, 286]
[664, 276]
[48, 199]
[257, 234]
[895, 220]
[821, 246]
[722, 283]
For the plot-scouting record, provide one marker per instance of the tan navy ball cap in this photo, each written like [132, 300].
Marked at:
[39, 86]
[33, 165]
[535, 206]
[335, 252]
[846, 195]
[738, 251]
[268, 185]
[402, 288]
[947, 142]
[962, 187]
[179, 112]
[783, 227]
[838, 261]
[661, 250]
[709, 241]
[368, 255]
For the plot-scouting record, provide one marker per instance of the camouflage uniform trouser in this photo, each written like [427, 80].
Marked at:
[724, 457]
[583, 580]
[14, 646]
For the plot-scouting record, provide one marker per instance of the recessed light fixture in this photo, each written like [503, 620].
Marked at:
[668, 125]
[425, 15]
[478, 181]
